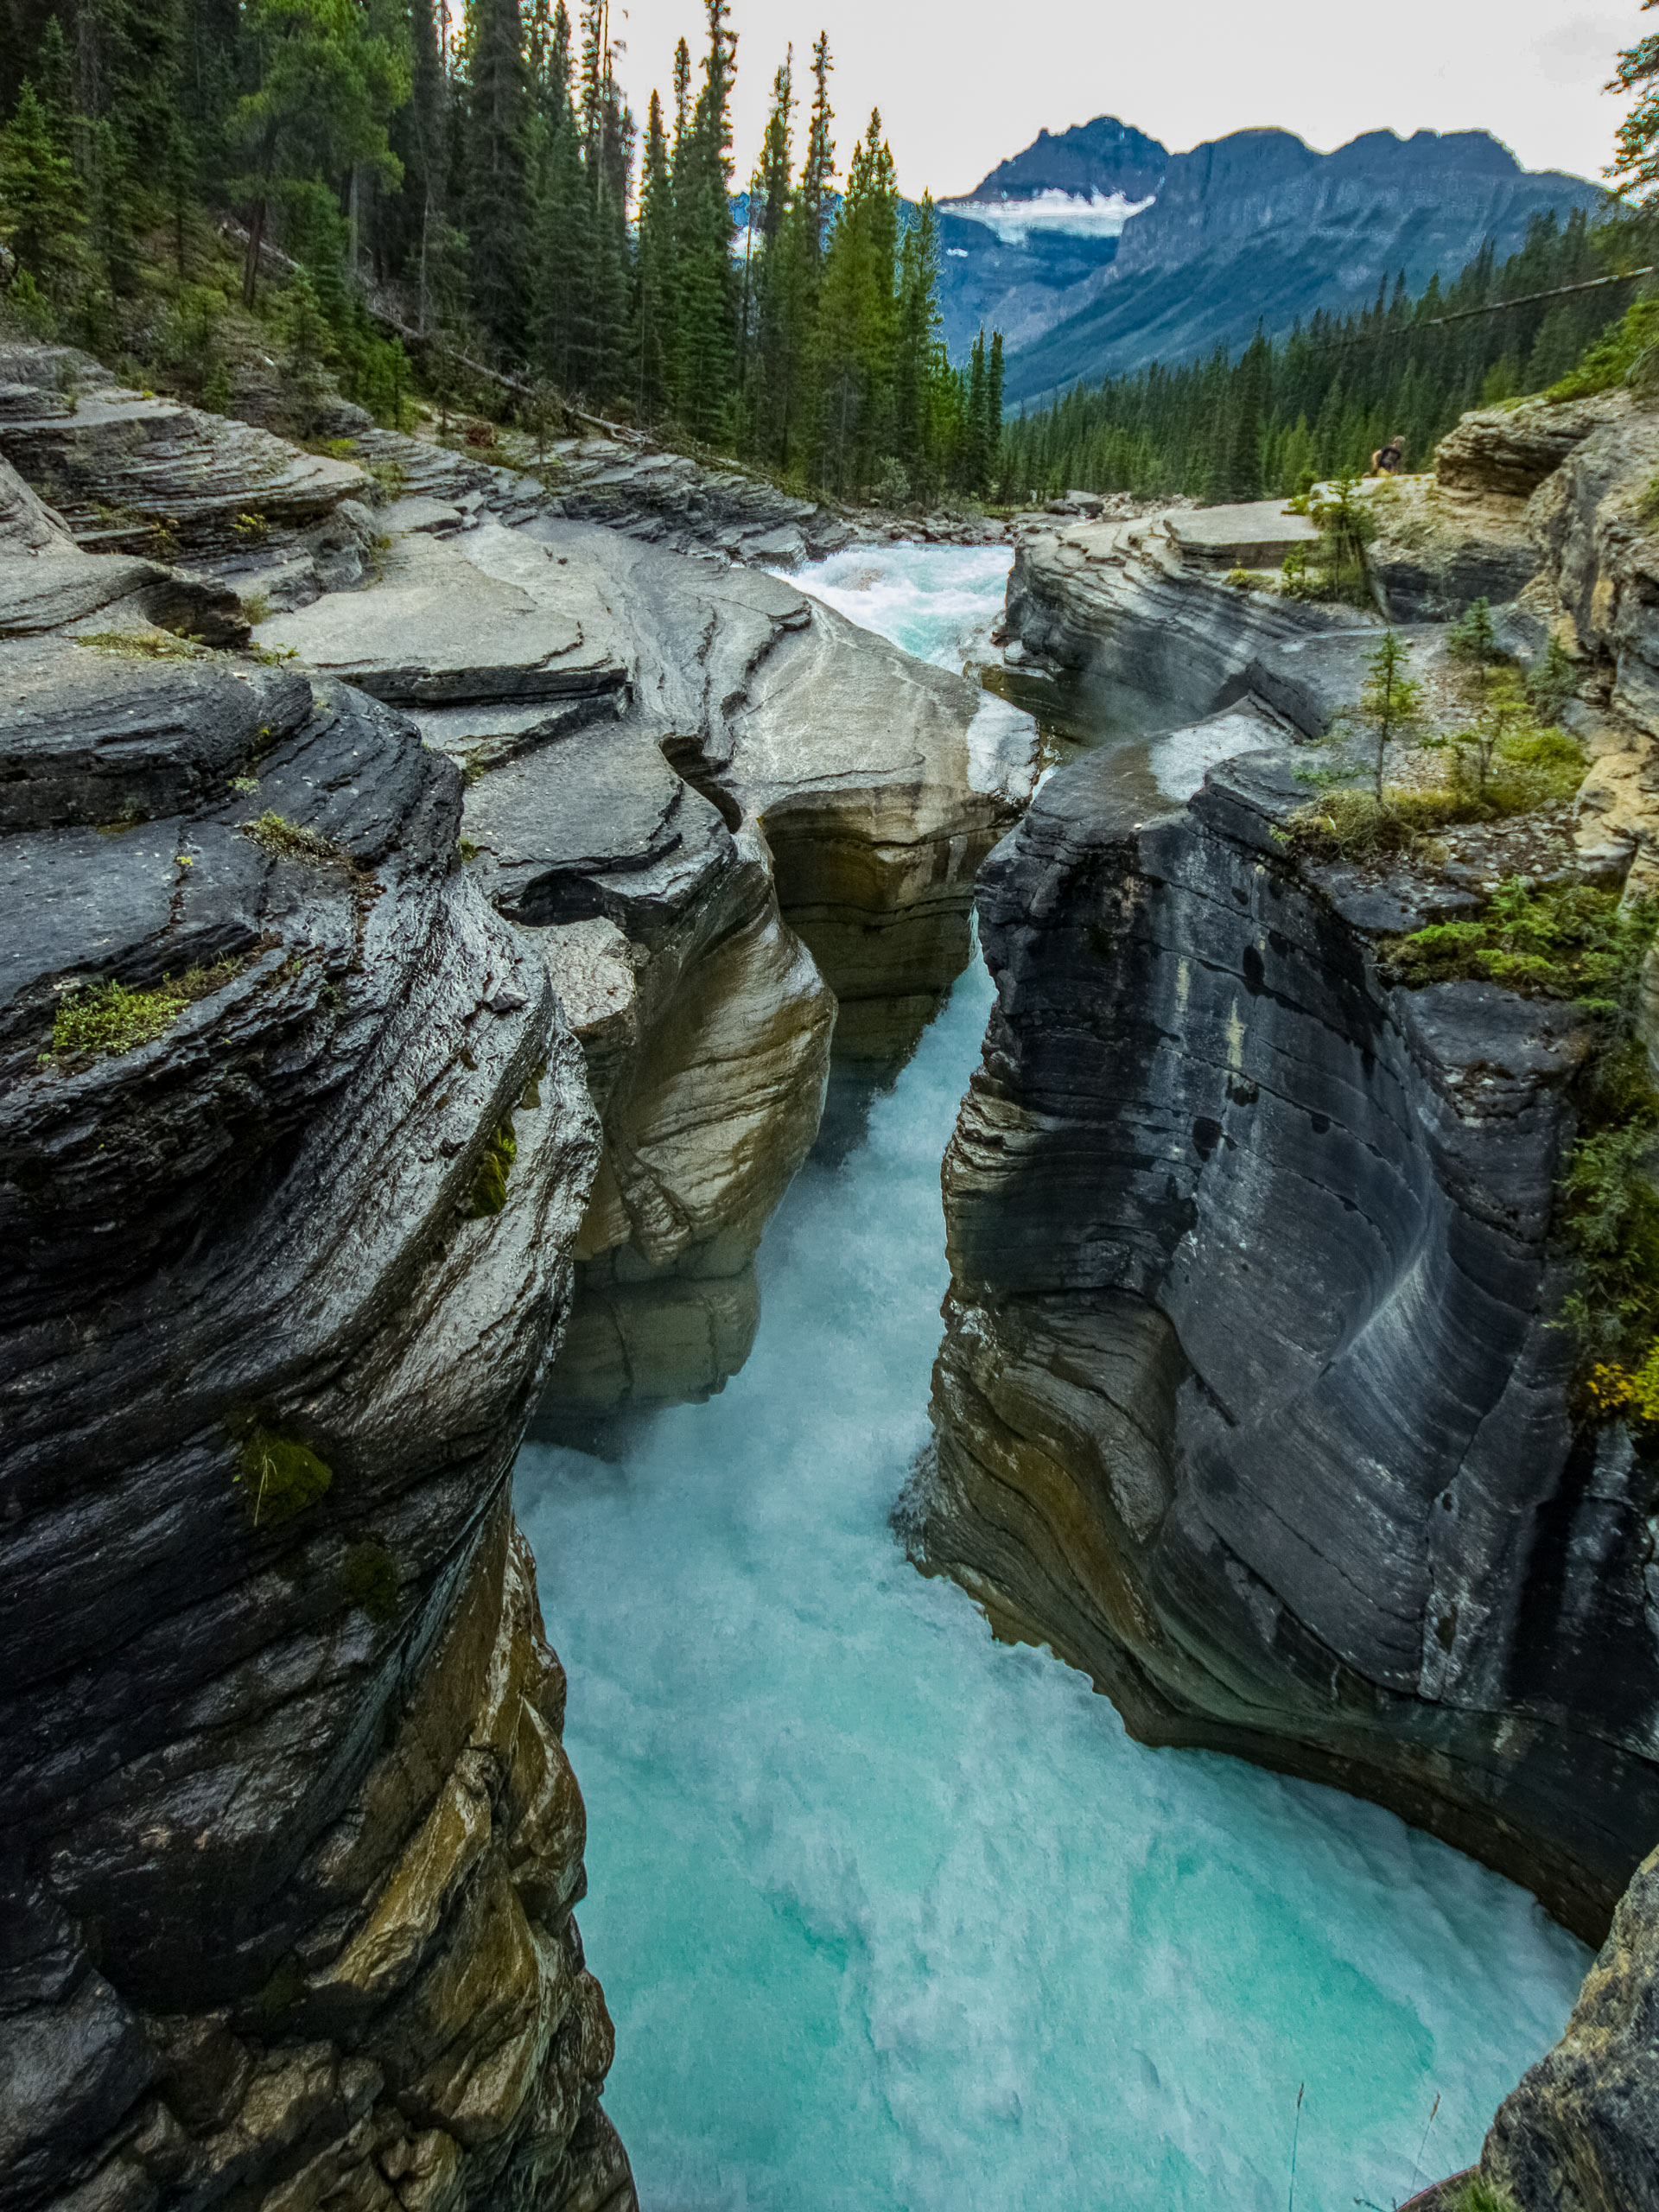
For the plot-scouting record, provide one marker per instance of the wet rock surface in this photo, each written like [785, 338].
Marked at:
[1250, 1397]
[292, 1844]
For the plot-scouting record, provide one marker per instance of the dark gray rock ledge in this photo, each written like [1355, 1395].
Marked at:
[1251, 1400]
[291, 1843]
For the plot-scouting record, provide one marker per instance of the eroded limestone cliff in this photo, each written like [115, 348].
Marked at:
[1253, 1398]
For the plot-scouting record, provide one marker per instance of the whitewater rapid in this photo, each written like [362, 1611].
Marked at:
[890, 1915]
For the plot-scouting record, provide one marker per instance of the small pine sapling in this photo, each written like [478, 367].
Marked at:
[1391, 705]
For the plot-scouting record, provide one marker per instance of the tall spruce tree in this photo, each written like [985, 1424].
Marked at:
[495, 202]
[42, 214]
[856, 321]
[653, 296]
[917, 354]
[705, 356]
[767, 328]
[325, 87]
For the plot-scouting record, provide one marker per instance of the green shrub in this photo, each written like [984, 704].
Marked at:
[368, 1581]
[1335, 568]
[1553, 681]
[278, 1475]
[1619, 356]
[1573, 942]
[489, 1191]
[1568, 940]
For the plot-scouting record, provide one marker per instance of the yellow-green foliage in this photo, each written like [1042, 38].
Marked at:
[1568, 940]
[140, 645]
[101, 1020]
[1348, 823]
[368, 1581]
[288, 840]
[489, 1191]
[252, 528]
[278, 1476]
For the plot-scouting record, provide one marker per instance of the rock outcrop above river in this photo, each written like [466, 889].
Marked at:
[297, 1149]
[736, 823]
[1253, 1398]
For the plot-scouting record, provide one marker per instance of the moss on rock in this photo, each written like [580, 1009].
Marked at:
[489, 1191]
[279, 1476]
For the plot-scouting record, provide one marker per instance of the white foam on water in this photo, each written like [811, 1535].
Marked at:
[890, 1915]
[937, 602]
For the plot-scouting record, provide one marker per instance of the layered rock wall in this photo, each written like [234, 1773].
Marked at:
[1251, 1398]
[292, 1845]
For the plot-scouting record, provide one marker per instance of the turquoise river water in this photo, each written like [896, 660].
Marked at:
[890, 1915]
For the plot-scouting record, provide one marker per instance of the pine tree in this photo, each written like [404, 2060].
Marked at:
[705, 356]
[495, 202]
[42, 214]
[1391, 706]
[916, 352]
[561, 249]
[325, 87]
[653, 296]
[994, 382]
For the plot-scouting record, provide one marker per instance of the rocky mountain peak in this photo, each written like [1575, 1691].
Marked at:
[1104, 156]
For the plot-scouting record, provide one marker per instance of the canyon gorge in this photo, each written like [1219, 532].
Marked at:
[441, 900]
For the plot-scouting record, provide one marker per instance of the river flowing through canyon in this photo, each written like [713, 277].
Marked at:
[890, 1915]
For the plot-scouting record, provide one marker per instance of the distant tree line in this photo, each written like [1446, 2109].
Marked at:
[478, 171]
[1322, 400]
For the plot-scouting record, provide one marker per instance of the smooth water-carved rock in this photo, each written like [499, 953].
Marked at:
[1252, 1398]
[739, 823]
[140, 461]
[47, 582]
[1151, 621]
[295, 1149]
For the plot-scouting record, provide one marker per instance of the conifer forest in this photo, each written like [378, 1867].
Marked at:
[1281, 413]
[474, 180]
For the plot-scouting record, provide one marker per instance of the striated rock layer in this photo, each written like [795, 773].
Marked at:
[737, 824]
[292, 1842]
[1250, 1399]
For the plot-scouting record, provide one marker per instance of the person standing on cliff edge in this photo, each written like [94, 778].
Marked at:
[1388, 460]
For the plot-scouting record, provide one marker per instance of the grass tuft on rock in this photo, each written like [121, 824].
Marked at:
[1479, 2195]
[1348, 823]
[489, 1191]
[288, 840]
[140, 645]
[102, 1021]
[278, 1476]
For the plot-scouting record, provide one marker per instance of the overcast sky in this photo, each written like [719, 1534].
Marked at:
[963, 84]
